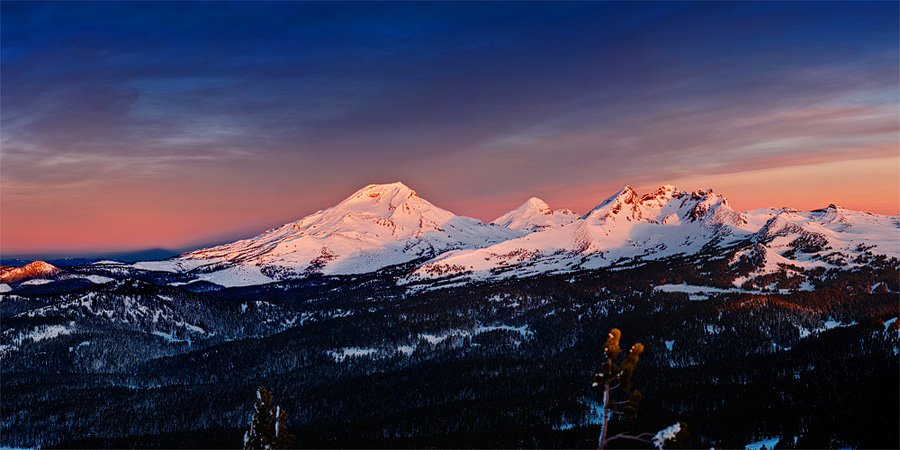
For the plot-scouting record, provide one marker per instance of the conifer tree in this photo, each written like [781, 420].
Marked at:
[268, 426]
[615, 376]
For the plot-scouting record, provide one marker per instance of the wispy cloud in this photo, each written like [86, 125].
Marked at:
[292, 105]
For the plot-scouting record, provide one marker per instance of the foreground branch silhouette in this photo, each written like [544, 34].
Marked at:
[617, 376]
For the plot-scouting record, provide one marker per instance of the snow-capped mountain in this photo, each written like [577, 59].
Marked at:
[389, 224]
[42, 277]
[790, 240]
[35, 269]
[535, 215]
[378, 226]
[628, 229]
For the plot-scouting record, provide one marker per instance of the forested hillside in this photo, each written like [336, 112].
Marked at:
[359, 362]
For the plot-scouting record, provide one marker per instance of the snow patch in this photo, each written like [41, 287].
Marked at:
[828, 325]
[190, 327]
[769, 443]
[595, 413]
[49, 332]
[341, 354]
[77, 347]
[168, 336]
[98, 279]
[237, 276]
[695, 292]
[434, 339]
[666, 434]
[40, 333]
[523, 330]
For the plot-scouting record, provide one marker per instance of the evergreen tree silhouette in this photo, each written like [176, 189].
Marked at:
[268, 427]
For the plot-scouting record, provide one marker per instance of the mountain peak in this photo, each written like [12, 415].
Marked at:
[387, 187]
[713, 209]
[539, 205]
[702, 206]
[34, 269]
[393, 206]
[395, 190]
[377, 226]
[831, 213]
[535, 214]
[625, 198]
[385, 200]
[40, 266]
[625, 195]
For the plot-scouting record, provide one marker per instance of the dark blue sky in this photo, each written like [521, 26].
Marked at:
[171, 123]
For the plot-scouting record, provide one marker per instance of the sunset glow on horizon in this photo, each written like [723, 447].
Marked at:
[129, 126]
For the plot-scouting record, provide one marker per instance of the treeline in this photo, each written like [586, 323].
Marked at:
[735, 367]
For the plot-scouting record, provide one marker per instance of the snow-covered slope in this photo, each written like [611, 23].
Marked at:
[831, 237]
[139, 319]
[47, 276]
[378, 226]
[35, 269]
[627, 229]
[535, 215]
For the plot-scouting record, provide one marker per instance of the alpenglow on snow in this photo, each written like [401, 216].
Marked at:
[383, 225]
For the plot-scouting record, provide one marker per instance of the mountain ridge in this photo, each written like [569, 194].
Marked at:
[386, 225]
[376, 226]
[627, 228]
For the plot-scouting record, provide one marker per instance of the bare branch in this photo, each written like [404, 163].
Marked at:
[639, 437]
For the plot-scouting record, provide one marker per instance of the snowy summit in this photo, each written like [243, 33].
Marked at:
[535, 215]
[378, 226]
[35, 269]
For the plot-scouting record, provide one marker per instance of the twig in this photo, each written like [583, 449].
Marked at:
[633, 438]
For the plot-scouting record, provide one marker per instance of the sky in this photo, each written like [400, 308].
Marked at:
[126, 126]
